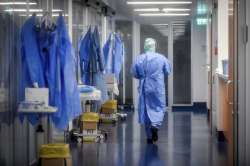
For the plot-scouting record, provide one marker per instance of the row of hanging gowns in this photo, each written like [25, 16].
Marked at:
[92, 62]
[48, 59]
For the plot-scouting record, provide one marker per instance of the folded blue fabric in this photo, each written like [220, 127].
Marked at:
[86, 89]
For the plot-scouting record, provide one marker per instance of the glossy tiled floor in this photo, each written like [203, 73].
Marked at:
[184, 141]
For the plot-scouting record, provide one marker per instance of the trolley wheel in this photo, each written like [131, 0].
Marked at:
[123, 118]
[97, 139]
[79, 140]
[101, 136]
[105, 136]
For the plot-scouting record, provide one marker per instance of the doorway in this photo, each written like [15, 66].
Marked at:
[182, 63]
[159, 32]
[224, 77]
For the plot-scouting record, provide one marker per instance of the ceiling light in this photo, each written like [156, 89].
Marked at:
[57, 10]
[23, 10]
[17, 3]
[175, 9]
[180, 31]
[160, 24]
[147, 10]
[30, 10]
[158, 2]
[40, 15]
[164, 14]
[179, 24]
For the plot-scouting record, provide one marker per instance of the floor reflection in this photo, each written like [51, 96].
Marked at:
[151, 157]
[184, 140]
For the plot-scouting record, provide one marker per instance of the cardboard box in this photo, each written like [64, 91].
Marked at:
[56, 162]
[37, 94]
[110, 79]
[89, 126]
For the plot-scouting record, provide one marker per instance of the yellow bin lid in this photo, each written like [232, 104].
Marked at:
[55, 151]
[110, 104]
[90, 117]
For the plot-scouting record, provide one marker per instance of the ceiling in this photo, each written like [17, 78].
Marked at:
[160, 23]
[127, 11]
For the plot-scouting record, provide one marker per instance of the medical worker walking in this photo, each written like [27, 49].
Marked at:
[150, 69]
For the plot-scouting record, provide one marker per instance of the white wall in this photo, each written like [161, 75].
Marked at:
[223, 29]
[199, 61]
[136, 52]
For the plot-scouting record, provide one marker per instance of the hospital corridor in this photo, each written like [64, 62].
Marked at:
[124, 83]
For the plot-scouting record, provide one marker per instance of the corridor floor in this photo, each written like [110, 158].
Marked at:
[184, 140]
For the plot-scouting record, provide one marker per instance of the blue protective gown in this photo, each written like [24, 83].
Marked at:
[92, 62]
[31, 62]
[113, 53]
[150, 68]
[91, 58]
[84, 52]
[66, 78]
[55, 66]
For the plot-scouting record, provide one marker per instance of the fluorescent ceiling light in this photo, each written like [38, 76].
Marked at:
[23, 10]
[164, 14]
[175, 9]
[57, 10]
[179, 23]
[40, 15]
[17, 3]
[179, 31]
[158, 2]
[147, 10]
[30, 10]
[160, 24]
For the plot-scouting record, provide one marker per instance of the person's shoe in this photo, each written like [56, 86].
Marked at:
[154, 134]
[149, 141]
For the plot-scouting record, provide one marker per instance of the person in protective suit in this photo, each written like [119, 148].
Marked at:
[150, 69]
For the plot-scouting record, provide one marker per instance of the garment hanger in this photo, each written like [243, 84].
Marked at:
[47, 21]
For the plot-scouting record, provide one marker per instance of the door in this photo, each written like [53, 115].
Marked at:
[242, 136]
[232, 80]
[248, 84]
[181, 33]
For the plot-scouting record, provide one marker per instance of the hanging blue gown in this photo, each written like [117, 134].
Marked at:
[84, 52]
[55, 55]
[31, 62]
[70, 97]
[150, 68]
[113, 54]
[92, 62]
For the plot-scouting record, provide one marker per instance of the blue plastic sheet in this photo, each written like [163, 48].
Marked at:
[86, 89]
